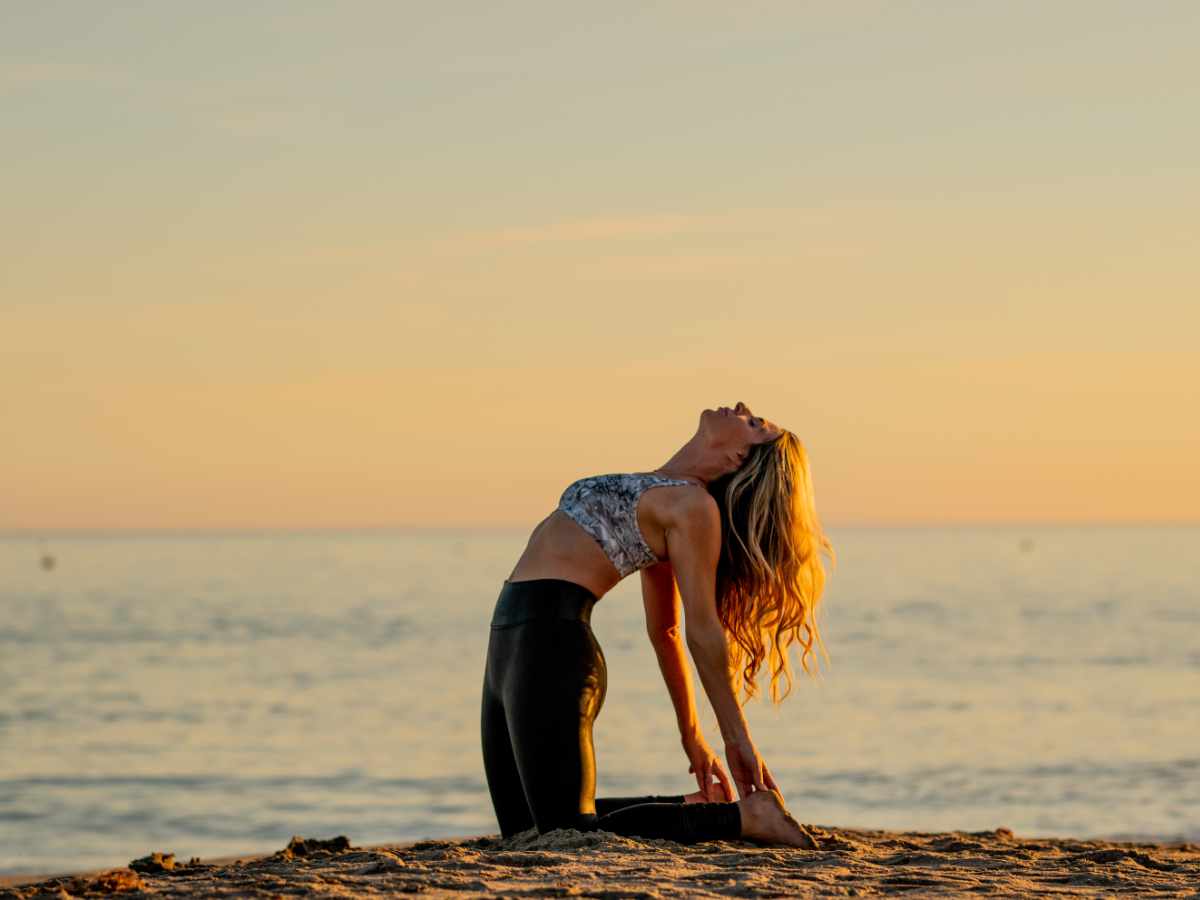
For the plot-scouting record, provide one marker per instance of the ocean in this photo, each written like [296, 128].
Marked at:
[214, 694]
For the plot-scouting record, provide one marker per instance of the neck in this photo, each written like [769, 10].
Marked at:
[692, 460]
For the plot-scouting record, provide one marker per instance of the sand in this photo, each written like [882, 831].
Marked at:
[570, 863]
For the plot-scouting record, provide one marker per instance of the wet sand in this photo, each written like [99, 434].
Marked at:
[569, 863]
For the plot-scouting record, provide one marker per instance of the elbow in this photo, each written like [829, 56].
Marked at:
[704, 640]
[667, 635]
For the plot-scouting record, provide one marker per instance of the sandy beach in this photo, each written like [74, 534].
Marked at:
[569, 863]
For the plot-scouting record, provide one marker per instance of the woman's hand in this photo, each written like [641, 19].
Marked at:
[749, 772]
[706, 766]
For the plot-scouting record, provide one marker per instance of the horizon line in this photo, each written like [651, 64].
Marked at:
[184, 530]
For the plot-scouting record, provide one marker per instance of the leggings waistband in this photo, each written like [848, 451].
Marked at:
[542, 599]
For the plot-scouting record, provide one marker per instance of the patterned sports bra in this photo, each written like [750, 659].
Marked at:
[605, 506]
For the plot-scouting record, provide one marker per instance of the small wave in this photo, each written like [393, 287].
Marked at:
[1189, 835]
[35, 714]
[1118, 660]
[334, 781]
[919, 608]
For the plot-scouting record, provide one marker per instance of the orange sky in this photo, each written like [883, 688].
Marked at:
[297, 269]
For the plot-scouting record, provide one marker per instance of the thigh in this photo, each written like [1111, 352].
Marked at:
[500, 767]
[552, 694]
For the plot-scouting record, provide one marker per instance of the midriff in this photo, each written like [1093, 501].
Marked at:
[559, 548]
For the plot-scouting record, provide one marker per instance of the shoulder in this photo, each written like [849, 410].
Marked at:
[692, 528]
[693, 508]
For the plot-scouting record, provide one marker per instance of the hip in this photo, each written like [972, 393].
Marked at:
[541, 641]
[542, 600]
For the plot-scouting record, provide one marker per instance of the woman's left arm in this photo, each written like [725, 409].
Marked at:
[661, 600]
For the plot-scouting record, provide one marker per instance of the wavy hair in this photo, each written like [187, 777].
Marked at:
[770, 576]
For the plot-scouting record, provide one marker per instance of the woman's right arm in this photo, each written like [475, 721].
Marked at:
[694, 546]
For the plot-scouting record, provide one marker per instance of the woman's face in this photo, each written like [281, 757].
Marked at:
[735, 429]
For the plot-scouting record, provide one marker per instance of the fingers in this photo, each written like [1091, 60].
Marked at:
[719, 790]
[723, 781]
[759, 783]
[769, 779]
[744, 786]
[712, 783]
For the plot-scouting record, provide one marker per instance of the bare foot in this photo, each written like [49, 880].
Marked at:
[765, 820]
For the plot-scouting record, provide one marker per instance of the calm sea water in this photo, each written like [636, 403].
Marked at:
[216, 694]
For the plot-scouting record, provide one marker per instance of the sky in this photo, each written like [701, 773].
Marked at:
[317, 265]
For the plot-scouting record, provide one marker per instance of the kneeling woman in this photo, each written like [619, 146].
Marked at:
[730, 520]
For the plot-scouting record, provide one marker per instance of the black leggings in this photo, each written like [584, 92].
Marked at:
[543, 686]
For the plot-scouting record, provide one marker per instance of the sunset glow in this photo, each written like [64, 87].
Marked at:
[300, 268]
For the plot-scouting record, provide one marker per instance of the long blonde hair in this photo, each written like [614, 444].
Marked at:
[770, 576]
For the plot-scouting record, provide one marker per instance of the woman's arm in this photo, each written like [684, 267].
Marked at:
[662, 626]
[694, 546]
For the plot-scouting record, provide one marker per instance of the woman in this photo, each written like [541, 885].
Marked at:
[730, 520]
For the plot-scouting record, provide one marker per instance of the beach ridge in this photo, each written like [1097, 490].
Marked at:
[562, 863]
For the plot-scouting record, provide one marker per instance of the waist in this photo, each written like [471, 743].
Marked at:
[542, 599]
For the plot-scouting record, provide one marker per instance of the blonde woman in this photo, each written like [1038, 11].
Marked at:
[730, 521]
